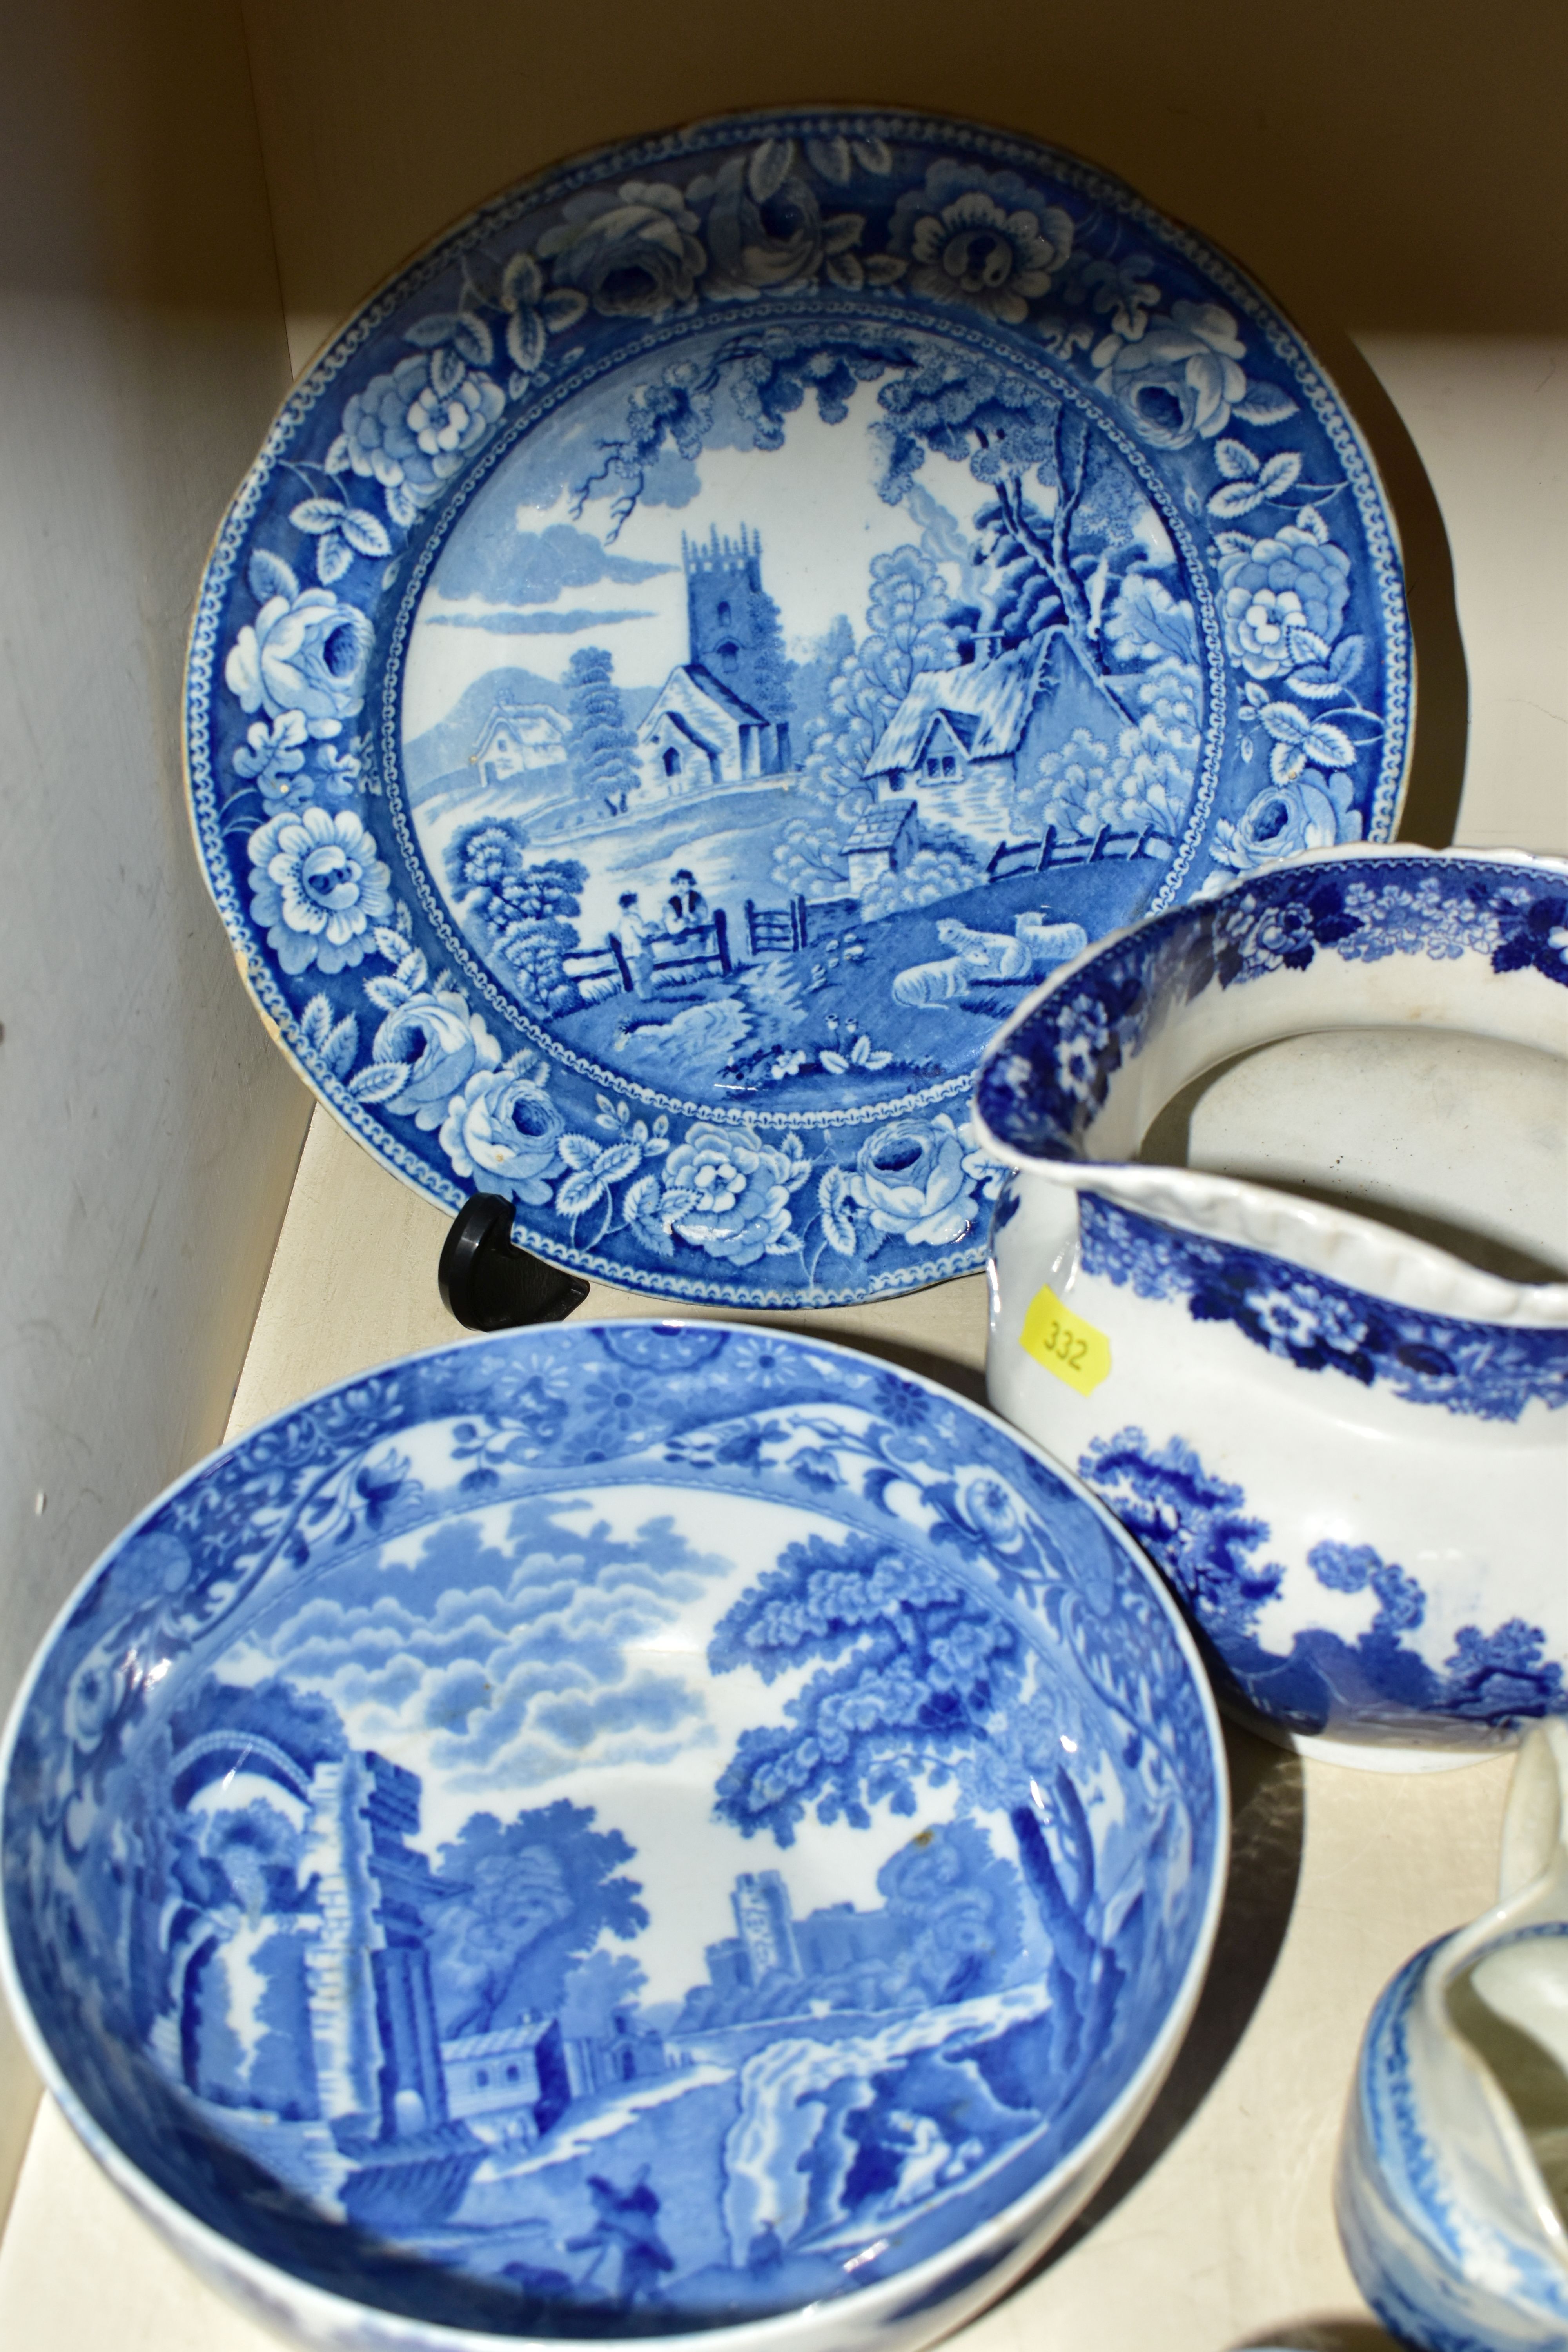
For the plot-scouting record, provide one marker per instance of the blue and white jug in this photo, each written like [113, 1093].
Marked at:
[1343, 1440]
[1453, 2172]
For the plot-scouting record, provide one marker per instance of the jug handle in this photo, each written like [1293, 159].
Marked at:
[1534, 1857]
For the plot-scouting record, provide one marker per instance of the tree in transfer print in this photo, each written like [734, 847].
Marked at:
[1058, 534]
[770, 663]
[1139, 777]
[600, 747]
[919, 1681]
[518, 1907]
[521, 909]
[1058, 527]
[907, 632]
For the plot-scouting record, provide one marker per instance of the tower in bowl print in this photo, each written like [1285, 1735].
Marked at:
[485, 2024]
[802, 851]
[464, 2043]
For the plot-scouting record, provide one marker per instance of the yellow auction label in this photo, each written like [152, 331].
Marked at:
[1065, 1343]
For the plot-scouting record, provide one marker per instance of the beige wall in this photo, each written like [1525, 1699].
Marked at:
[148, 1130]
[1381, 163]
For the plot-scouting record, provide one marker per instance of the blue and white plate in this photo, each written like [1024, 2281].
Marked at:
[717, 628]
[618, 1829]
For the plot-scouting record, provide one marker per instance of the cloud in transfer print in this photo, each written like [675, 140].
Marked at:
[493, 556]
[503, 1651]
[508, 623]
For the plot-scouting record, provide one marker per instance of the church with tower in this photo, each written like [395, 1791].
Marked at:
[721, 716]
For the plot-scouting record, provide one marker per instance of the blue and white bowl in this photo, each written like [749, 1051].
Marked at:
[624, 1829]
[1346, 1447]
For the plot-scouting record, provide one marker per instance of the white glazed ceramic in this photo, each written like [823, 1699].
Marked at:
[1453, 2170]
[1346, 1447]
[617, 1830]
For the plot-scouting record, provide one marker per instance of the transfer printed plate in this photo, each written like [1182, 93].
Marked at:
[723, 624]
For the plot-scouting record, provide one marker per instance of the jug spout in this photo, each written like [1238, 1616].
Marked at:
[1452, 2189]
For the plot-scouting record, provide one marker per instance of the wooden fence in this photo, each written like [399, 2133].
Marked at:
[675, 961]
[803, 923]
[1070, 849]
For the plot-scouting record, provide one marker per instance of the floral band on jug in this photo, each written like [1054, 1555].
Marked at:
[1049, 1077]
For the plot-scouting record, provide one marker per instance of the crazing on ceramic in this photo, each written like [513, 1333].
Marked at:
[1449, 2191]
[1346, 1449]
[1320, 1325]
[621, 1829]
[727, 621]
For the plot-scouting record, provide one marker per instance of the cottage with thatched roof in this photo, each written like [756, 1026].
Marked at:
[962, 739]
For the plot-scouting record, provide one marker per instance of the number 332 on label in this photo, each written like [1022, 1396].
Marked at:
[1064, 1343]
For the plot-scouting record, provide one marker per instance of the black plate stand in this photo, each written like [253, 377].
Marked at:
[490, 1284]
